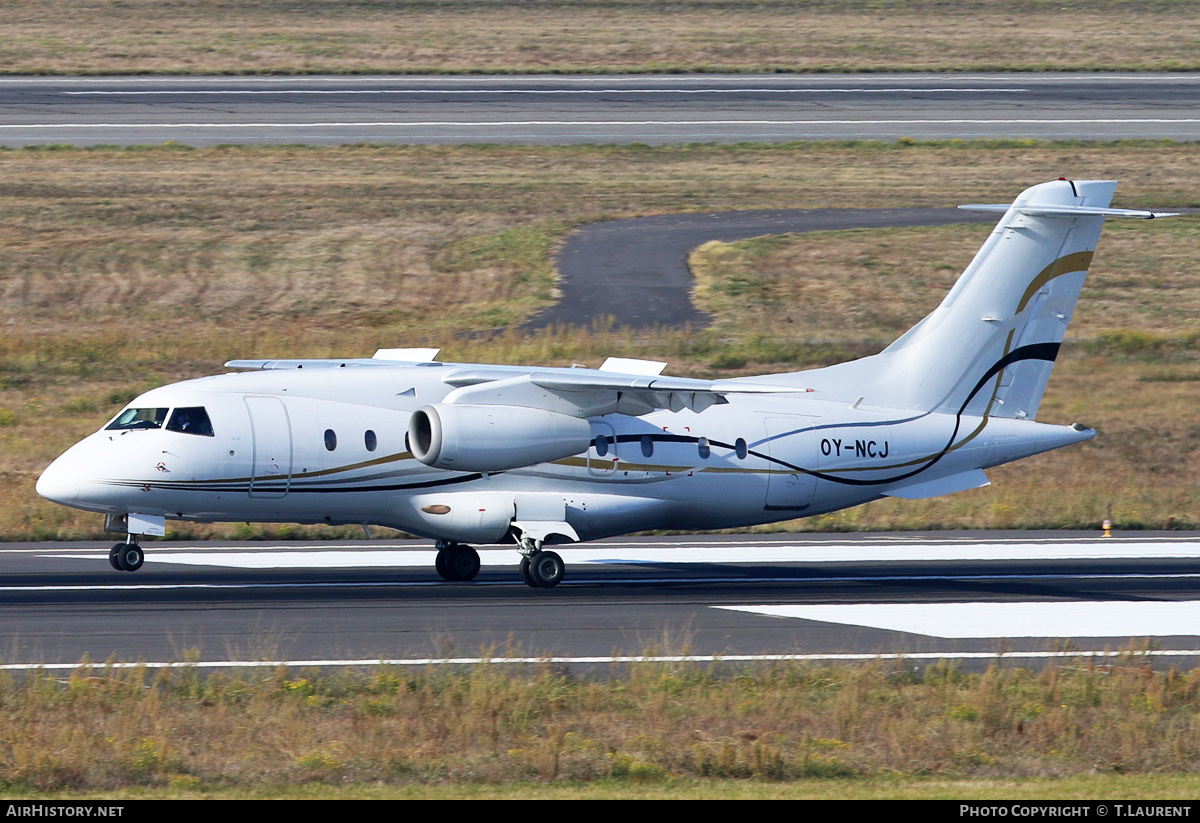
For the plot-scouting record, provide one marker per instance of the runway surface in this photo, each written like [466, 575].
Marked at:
[975, 596]
[920, 595]
[609, 109]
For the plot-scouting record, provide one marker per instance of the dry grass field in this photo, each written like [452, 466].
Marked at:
[125, 269]
[785, 729]
[493, 36]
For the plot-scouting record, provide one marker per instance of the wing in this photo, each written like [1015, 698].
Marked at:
[588, 392]
[383, 357]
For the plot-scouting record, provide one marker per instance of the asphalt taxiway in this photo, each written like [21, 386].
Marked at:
[635, 272]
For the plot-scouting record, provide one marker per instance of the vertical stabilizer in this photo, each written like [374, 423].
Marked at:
[990, 345]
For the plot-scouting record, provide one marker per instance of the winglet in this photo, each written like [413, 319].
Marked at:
[407, 355]
[631, 365]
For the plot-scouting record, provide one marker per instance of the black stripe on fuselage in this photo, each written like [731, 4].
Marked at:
[1035, 351]
[277, 487]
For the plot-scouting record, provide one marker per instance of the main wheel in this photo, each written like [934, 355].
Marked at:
[456, 562]
[547, 569]
[463, 563]
[114, 557]
[526, 575]
[131, 557]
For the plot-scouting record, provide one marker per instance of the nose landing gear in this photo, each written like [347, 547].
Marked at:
[540, 568]
[126, 557]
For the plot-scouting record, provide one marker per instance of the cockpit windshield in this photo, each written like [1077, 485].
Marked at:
[191, 420]
[133, 418]
[186, 419]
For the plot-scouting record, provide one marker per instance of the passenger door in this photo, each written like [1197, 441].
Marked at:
[271, 476]
[790, 439]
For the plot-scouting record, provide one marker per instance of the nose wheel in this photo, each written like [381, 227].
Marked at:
[456, 562]
[126, 557]
[542, 569]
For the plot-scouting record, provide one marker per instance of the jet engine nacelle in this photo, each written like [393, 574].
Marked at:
[490, 438]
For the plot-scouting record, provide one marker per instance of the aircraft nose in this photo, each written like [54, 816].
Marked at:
[59, 483]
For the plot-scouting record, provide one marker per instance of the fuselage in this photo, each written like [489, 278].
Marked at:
[330, 445]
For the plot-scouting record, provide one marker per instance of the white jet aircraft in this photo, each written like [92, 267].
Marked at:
[468, 453]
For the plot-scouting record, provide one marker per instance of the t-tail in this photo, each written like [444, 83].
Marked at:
[989, 347]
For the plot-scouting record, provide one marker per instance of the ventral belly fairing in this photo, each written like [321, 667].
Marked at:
[468, 453]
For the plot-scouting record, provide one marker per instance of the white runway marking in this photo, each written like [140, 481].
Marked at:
[1133, 618]
[885, 90]
[647, 579]
[749, 552]
[503, 123]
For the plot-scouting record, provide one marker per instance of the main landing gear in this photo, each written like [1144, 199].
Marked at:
[456, 562]
[127, 556]
[540, 568]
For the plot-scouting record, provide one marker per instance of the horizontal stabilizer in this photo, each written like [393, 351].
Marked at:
[1067, 211]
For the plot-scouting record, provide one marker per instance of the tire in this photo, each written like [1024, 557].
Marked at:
[131, 557]
[441, 563]
[547, 569]
[114, 557]
[526, 575]
[463, 563]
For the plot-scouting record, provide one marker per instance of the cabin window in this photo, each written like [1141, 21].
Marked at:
[647, 446]
[370, 440]
[703, 447]
[138, 419]
[190, 420]
[330, 439]
[740, 447]
[601, 446]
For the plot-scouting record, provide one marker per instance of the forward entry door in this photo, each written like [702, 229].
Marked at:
[272, 433]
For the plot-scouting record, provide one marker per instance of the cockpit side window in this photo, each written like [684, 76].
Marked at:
[190, 420]
[133, 418]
